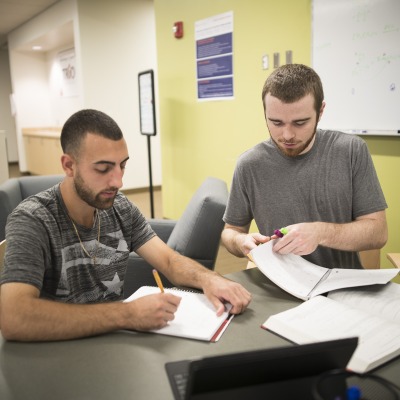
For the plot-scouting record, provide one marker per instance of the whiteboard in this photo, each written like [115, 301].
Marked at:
[356, 52]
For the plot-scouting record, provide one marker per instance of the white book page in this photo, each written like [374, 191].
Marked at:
[195, 318]
[304, 279]
[343, 278]
[380, 300]
[292, 273]
[320, 319]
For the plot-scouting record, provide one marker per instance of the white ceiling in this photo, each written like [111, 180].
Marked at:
[14, 13]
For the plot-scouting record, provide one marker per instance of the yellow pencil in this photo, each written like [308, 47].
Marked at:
[158, 280]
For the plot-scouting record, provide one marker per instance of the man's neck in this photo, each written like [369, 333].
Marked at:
[78, 210]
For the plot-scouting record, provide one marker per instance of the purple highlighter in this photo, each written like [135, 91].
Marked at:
[281, 232]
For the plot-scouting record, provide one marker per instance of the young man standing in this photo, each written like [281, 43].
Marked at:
[321, 185]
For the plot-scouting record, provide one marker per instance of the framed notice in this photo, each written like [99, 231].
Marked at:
[214, 57]
[69, 83]
[146, 103]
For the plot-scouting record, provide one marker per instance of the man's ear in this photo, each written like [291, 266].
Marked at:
[68, 164]
[321, 111]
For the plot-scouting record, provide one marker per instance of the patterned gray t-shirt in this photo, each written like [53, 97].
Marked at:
[43, 248]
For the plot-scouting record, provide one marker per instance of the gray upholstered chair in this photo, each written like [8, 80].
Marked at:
[14, 190]
[195, 235]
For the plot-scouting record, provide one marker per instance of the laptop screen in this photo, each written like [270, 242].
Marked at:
[283, 371]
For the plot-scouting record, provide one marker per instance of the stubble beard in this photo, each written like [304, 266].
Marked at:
[294, 152]
[89, 197]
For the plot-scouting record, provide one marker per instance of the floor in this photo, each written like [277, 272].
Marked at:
[226, 263]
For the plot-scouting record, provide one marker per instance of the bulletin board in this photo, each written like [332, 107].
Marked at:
[356, 52]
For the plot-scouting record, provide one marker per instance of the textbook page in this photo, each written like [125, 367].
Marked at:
[382, 301]
[292, 273]
[321, 318]
[344, 278]
[303, 279]
[195, 318]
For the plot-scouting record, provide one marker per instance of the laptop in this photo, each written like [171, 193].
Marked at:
[276, 373]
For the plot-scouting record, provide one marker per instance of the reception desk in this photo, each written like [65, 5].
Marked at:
[130, 365]
[43, 150]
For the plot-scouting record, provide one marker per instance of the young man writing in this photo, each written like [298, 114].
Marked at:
[68, 247]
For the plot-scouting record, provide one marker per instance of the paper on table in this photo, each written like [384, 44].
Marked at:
[195, 318]
[323, 318]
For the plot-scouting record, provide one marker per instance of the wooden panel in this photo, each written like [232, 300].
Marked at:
[43, 152]
[394, 258]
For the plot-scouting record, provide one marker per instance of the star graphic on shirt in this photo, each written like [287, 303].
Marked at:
[114, 286]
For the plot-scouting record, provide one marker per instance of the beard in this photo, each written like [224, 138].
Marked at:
[92, 199]
[298, 150]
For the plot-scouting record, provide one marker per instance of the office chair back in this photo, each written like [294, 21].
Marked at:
[14, 190]
[195, 235]
[2, 254]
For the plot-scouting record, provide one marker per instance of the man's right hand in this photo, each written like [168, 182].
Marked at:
[252, 240]
[152, 312]
[240, 242]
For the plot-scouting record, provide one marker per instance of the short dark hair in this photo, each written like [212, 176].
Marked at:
[291, 82]
[87, 121]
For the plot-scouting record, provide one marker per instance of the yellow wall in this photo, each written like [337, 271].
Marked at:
[201, 139]
[386, 155]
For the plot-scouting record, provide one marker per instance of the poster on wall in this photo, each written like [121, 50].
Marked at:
[214, 57]
[69, 85]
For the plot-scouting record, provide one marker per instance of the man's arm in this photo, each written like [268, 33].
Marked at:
[183, 271]
[239, 241]
[26, 317]
[365, 233]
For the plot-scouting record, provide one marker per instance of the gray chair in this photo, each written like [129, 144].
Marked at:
[195, 235]
[14, 190]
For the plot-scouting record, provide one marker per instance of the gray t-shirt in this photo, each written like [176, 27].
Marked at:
[334, 182]
[43, 248]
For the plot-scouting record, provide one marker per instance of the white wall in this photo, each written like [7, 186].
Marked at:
[30, 71]
[7, 123]
[31, 96]
[62, 106]
[117, 40]
[113, 42]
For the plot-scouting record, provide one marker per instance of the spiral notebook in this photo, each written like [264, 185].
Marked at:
[196, 317]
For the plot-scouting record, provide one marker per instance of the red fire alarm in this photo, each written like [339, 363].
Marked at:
[178, 29]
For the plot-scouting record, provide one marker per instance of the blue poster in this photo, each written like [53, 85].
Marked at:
[214, 57]
[212, 88]
[214, 67]
[214, 46]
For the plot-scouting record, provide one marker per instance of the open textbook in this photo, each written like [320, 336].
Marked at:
[195, 318]
[372, 313]
[304, 279]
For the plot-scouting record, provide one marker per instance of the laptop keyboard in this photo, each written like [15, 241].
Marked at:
[181, 382]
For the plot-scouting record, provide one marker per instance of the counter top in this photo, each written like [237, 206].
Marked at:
[47, 132]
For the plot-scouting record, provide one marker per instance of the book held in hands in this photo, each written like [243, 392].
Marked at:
[304, 280]
[362, 303]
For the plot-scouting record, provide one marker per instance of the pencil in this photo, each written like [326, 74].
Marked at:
[158, 280]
